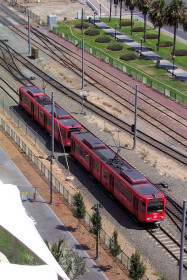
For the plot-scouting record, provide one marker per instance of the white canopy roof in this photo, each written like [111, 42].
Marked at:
[14, 219]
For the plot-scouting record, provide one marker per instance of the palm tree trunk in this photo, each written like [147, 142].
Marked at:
[174, 39]
[158, 44]
[110, 10]
[131, 20]
[144, 28]
[120, 14]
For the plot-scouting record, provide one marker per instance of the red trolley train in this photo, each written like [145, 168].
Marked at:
[128, 185]
[38, 105]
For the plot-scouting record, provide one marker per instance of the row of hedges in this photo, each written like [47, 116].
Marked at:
[117, 47]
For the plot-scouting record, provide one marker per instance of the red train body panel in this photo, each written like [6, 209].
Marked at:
[38, 105]
[127, 184]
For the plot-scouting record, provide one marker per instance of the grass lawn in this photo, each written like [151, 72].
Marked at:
[146, 66]
[6, 243]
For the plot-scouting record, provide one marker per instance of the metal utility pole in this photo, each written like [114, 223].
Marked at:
[82, 63]
[29, 39]
[135, 118]
[82, 21]
[52, 148]
[100, 10]
[97, 241]
[182, 241]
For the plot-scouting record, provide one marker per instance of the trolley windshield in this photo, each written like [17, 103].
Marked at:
[155, 207]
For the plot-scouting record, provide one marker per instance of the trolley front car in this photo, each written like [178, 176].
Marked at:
[127, 184]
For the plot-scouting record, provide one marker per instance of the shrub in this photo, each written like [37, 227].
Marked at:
[180, 53]
[79, 25]
[128, 57]
[151, 36]
[137, 268]
[127, 23]
[103, 40]
[138, 29]
[116, 47]
[92, 32]
[166, 44]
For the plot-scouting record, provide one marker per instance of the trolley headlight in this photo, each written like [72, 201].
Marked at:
[148, 219]
[161, 217]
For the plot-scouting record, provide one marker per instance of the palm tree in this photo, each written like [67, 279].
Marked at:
[144, 7]
[131, 4]
[71, 262]
[175, 14]
[157, 15]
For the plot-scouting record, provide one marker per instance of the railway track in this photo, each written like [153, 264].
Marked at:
[64, 56]
[97, 110]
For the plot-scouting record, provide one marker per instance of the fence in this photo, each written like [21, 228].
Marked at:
[123, 258]
[23, 9]
[133, 72]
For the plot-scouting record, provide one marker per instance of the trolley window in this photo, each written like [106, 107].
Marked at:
[112, 181]
[117, 184]
[123, 188]
[41, 114]
[81, 152]
[96, 165]
[105, 174]
[76, 147]
[73, 145]
[142, 208]
[129, 195]
[155, 207]
[86, 156]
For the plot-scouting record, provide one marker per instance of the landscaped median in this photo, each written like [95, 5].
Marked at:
[100, 44]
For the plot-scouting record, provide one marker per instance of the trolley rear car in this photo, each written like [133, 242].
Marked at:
[128, 185]
[39, 106]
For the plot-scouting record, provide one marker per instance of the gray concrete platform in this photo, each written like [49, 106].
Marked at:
[48, 224]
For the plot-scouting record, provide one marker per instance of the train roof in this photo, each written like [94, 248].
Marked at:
[137, 180]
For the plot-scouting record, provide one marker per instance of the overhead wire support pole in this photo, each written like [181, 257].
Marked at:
[29, 38]
[182, 241]
[135, 117]
[82, 63]
[52, 148]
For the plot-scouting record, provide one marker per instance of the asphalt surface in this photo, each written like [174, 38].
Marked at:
[48, 224]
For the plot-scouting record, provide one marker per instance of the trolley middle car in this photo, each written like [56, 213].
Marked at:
[128, 185]
[38, 105]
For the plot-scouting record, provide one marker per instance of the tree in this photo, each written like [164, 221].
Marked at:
[131, 4]
[175, 14]
[79, 208]
[114, 247]
[144, 7]
[157, 15]
[137, 268]
[94, 222]
[71, 262]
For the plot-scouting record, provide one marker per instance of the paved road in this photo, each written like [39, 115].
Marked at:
[48, 224]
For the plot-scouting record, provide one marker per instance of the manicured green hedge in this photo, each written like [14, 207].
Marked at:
[116, 47]
[103, 40]
[166, 44]
[128, 57]
[180, 52]
[138, 29]
[126, 23]
[79, 26]
[151, 36]
[92, 32]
